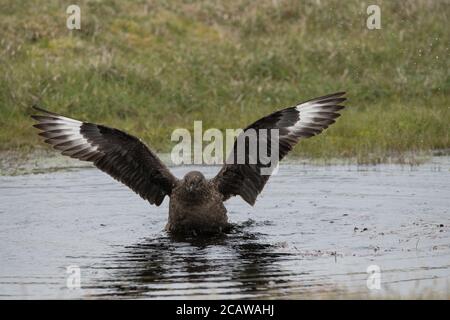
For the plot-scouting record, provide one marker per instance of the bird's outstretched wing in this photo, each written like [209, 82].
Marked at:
[115, 152]
[304, 120]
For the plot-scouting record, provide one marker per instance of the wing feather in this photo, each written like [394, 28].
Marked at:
[115, 152]
[304, 120]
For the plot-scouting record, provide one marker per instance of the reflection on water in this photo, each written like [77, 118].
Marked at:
[236, 264]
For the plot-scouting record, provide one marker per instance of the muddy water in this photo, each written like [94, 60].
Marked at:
[312, 234]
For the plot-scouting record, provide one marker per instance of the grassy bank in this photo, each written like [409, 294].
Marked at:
[149, 67]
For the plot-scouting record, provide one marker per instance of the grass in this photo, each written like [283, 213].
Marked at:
[149, 67]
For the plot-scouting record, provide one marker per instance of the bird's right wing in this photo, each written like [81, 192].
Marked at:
[304, 120]
[115, 152]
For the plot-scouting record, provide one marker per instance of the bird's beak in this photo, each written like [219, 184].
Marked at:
[190, 188]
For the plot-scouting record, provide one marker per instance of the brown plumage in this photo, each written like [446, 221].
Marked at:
[196, 204]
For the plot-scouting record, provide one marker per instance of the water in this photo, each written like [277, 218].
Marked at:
[313, 233]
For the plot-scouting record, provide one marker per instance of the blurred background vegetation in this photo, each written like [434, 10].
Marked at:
[149, 67]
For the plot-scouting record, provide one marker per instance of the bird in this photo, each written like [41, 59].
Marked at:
[196, 204]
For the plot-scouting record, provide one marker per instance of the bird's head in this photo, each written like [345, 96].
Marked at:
[194, 181]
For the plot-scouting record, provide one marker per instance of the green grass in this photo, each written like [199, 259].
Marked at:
[149, 67]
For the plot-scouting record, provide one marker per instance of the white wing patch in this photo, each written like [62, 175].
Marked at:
[64, 134]
[315, 116]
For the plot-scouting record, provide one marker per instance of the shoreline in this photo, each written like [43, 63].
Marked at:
[35, 161]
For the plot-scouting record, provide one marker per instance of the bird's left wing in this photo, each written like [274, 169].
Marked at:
[115, 152]
[304, 120]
